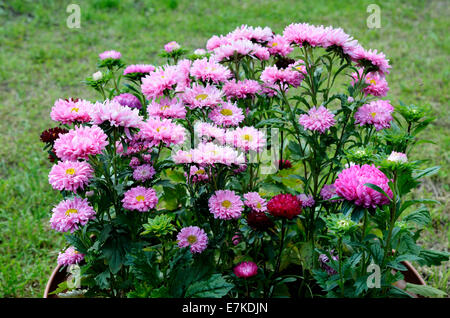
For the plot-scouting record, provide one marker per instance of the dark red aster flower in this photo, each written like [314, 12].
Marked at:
[284, 205]
[50, 135]
[284, 164]
[259, 221]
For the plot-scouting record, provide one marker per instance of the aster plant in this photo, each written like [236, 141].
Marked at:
[241, 170]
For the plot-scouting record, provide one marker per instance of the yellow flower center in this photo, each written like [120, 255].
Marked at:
[247, 137]
[200, 171]
[70, 171]
[192, 239]
[226, 112]
[372, 81]
[258, 205]
[165, 107]
[226, 204]
[140, 198]
[70, 211]
[75, 109]
[201, 96]
[373, 114]
[274, 44]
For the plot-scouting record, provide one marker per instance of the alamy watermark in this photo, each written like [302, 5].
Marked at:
[374, 19]
[74, 19]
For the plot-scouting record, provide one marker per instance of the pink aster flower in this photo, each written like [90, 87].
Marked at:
[115, 114]
[134, 162]
[225, 205]
[279, 45]
[194, 237]
[81, 142]
[70, 214]
[398, 157]
[210, 70]
[68, 111]
[156, 130]
[245, 32]
[70, 175]
[371, 58]
[157, 82]
[171, 46]
[328, 191]
[209, 132]
[199, 97]
[350, 185]
[69, 257]
[254, 201]
[167, 108]
[183, 68]
[246, 139]
[197, 174]
[377, 84]
[337, 38]
[320, 119]
[142, 69]
[241, 89]
[129, 100]
[227, 114]
[377, 113]
[110, 55]
[272, 76]
[304, 33]
[306, 200]
[182, 157]
[212, 154]
[241, 48]
[246, 269]
[215, 41]
[143, 172]
[140, 198]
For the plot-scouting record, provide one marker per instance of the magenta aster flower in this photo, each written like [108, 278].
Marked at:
[140, 198]
[115, 114]
[246, 269]
[70, 175]
[197, 174]
[304, 33]
[81, 142]
[377, 84]
[211, 154]
[208, 132]
[142, 69]
[129, 100]
[227, 114]
[156, 130]
[241, 89]
[225, 205]
[70, 257]
[209, 70]
[306, 200]
[254, 201]
[70, 214]
[183, 68]
[320, 119]
[167, 108]
[199, 97]
[350, 185]
[285, 206]
[272, 76]
[241, 48]
[246, 138]
[377, 113]
[194, 237]
[171, 46]
[143, 172]
[110, 55]
[68, 111]
[162, 79]
[337, 38]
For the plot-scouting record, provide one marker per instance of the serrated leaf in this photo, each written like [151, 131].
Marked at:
[421, 217]
[425, 290]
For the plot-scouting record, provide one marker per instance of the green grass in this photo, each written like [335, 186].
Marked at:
[42, 60]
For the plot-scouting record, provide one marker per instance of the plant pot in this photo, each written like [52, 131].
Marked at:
[410, 276]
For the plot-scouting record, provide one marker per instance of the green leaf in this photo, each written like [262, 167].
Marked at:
[214, 287]
[61, 288]
[102, 279]
[427, 172]
[425, 290]
[408, 203]
[430, 257]
[378, 189]
[421, 217]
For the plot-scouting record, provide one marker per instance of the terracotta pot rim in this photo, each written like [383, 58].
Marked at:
[50, 281]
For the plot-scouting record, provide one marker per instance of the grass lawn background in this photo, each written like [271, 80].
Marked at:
[42, 60]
